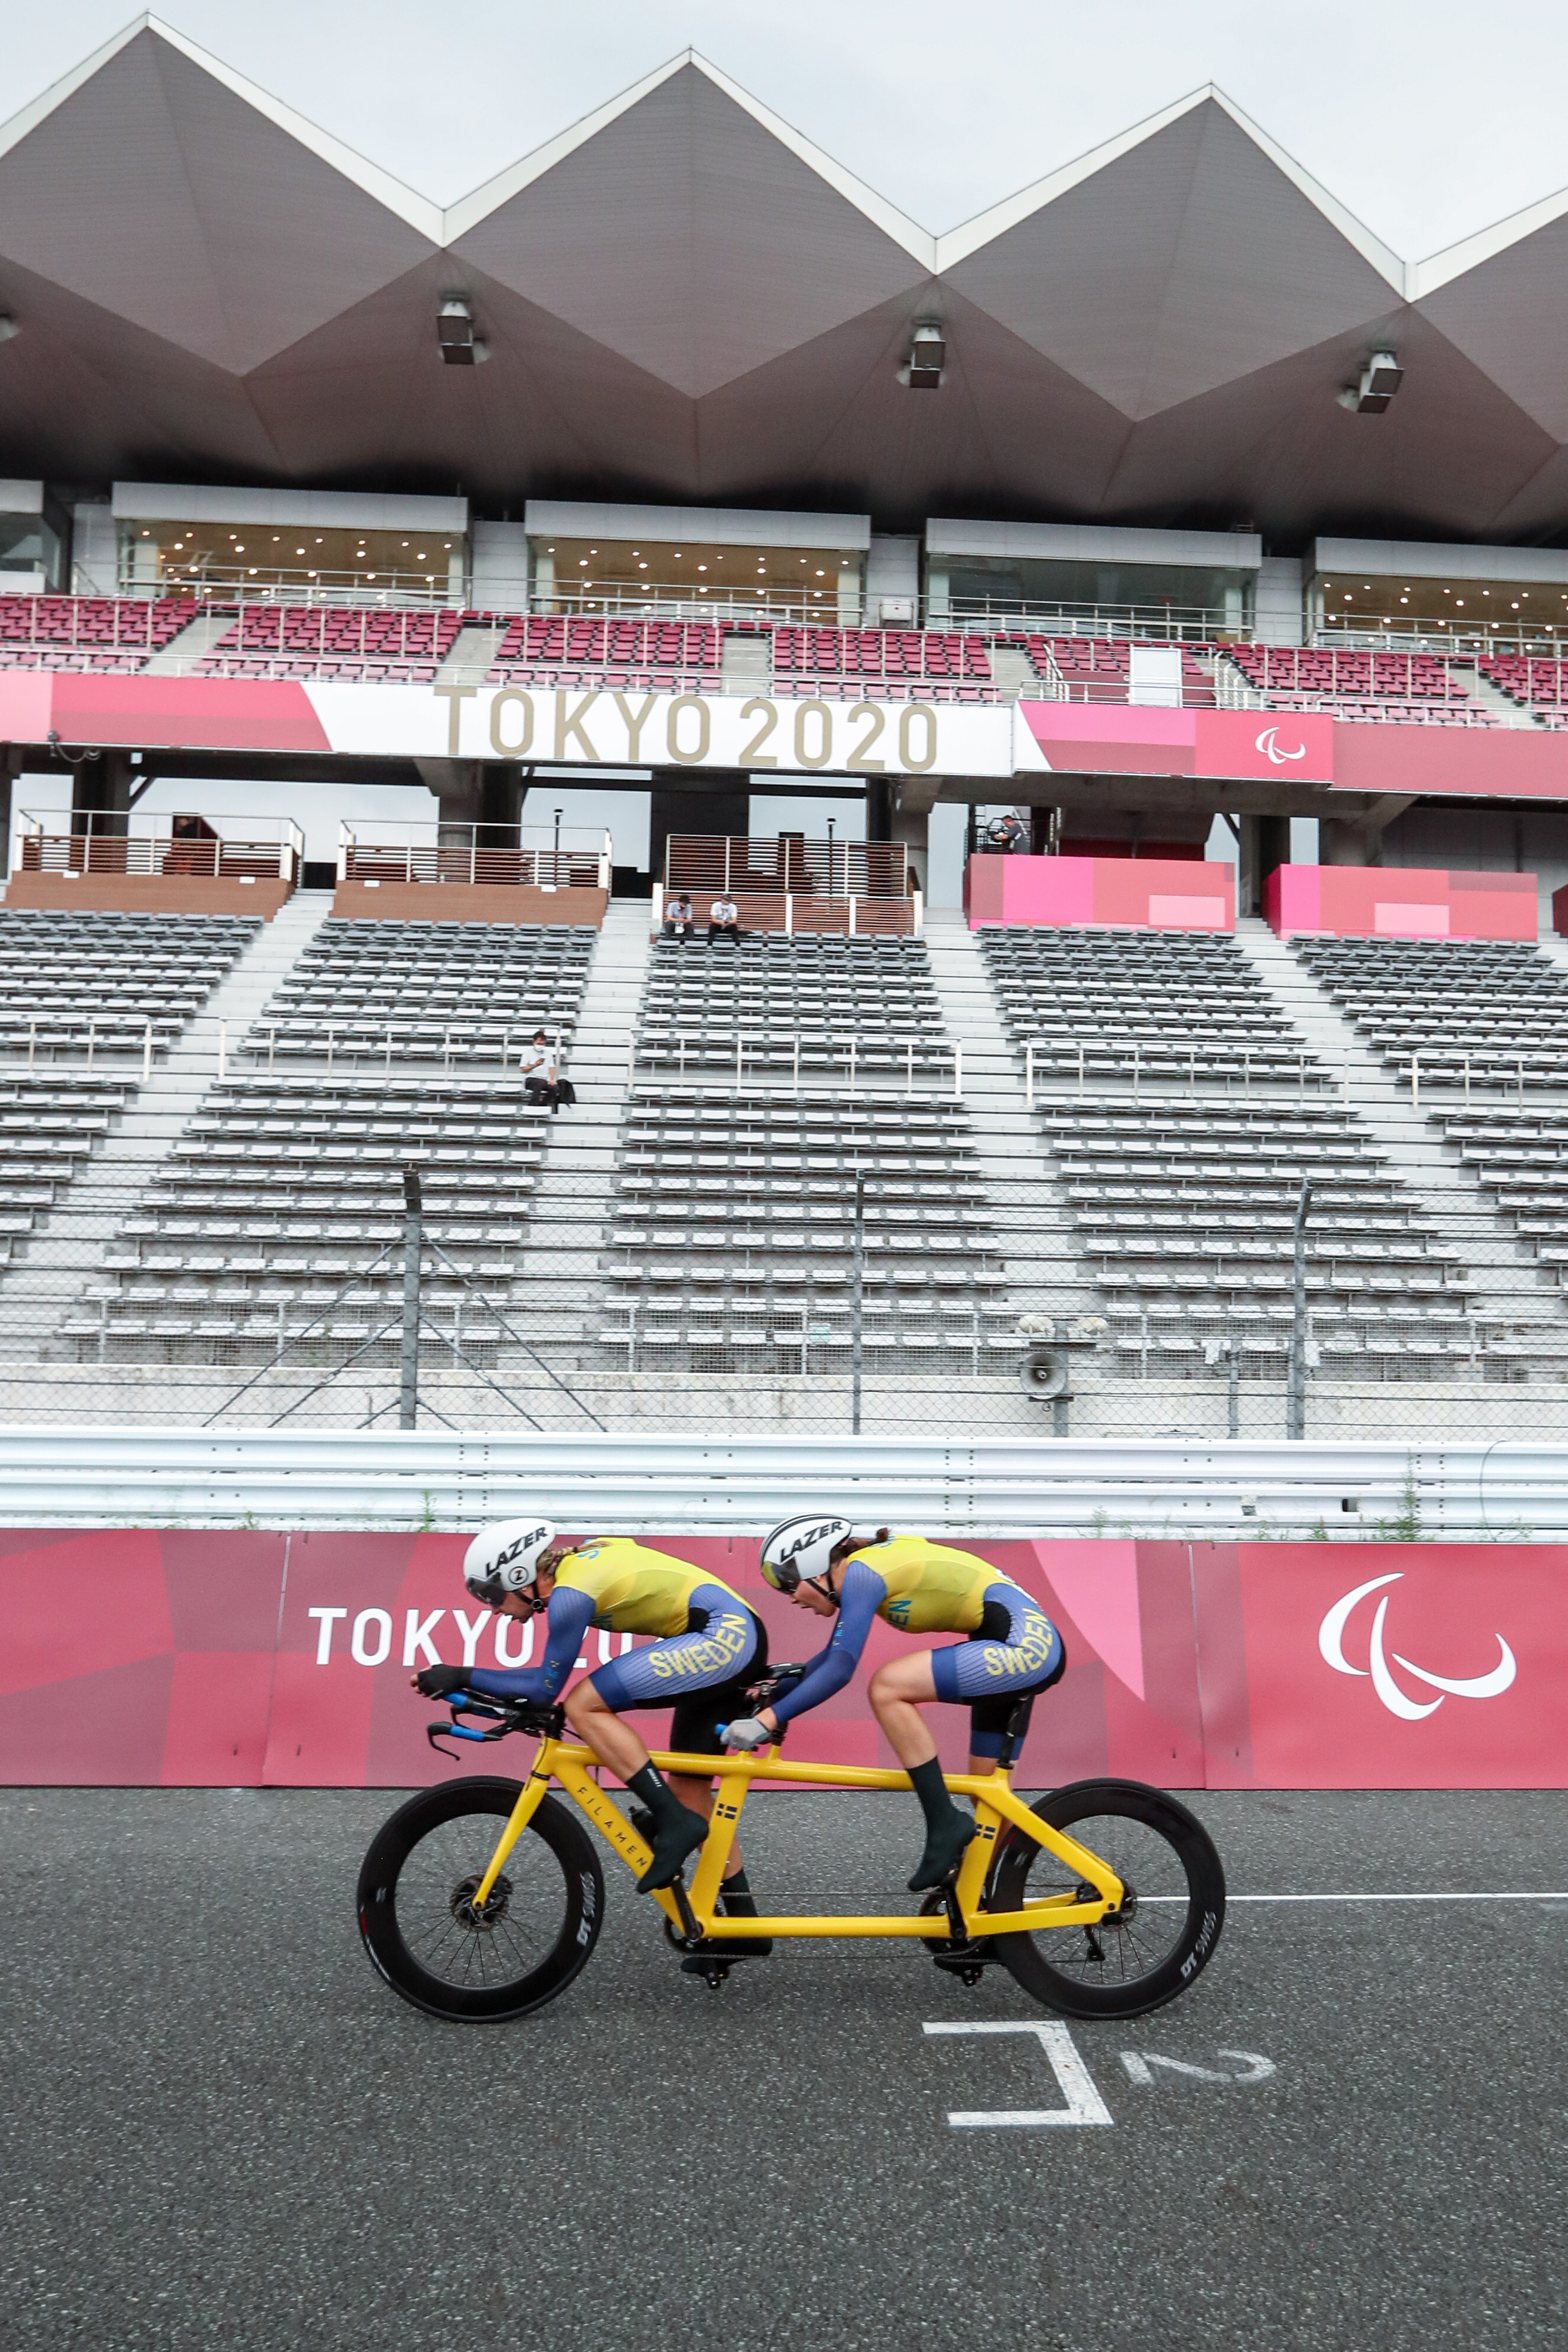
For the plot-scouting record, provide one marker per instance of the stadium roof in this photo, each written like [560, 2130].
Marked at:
[684, 300]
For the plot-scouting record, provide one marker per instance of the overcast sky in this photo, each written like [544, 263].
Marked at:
[1429, 121]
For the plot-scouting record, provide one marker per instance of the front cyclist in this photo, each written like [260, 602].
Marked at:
[708, 1648]
[1012, 1647]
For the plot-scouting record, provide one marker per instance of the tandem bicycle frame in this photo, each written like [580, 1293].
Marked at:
[691, 1912]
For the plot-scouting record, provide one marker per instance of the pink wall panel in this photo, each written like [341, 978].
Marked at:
[1159, 893]
[1401, 902]
[137, 1657]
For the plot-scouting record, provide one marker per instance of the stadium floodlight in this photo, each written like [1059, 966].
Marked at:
[926, 361]
[1380, 380]
[460, 347]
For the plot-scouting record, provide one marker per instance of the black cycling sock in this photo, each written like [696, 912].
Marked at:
[931, 1789]
[948, 1831]
[660, 1800]
[679, 1830]
[737, 1896]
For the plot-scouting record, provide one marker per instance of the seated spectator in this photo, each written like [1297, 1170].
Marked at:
[539, 1082]
[724, 920]
[679, 920]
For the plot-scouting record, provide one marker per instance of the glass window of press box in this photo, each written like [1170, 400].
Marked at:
[1439, 615]
[650, 578]
[291, 563]
[1092, 599]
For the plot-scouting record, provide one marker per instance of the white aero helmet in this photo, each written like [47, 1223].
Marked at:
[800, 1550]
[505, 1558]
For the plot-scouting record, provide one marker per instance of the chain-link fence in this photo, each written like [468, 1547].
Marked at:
[554, 1287]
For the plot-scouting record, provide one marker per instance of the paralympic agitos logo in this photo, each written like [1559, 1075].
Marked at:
[1331, 1645]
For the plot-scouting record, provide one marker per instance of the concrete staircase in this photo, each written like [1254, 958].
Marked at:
[470, 654]
[1028, 1206]
[1492, 698]
[1509, 1296]
[197, 637]
[560, 1277]
[37, 1291]
[745, 663]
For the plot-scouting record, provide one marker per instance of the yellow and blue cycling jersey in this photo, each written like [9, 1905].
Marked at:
[930, 1587]
[706, 1634]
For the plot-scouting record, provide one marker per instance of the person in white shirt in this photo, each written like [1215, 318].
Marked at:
[724, 920]
[537, 1063]
[679, 920]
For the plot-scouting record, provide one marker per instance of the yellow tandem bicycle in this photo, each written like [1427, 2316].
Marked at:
[482, 1899]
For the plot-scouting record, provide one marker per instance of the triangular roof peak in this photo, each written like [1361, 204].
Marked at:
[506, 185]
[397, 197]
[959, 243]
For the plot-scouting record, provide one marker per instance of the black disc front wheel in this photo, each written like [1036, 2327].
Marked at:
[1163, 1932]
[451, 1957]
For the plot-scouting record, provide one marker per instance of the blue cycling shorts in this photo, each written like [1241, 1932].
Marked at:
[722, 1645]
[1017, 1649]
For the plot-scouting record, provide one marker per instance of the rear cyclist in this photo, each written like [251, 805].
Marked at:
[1012, 1648]
[710, 1649]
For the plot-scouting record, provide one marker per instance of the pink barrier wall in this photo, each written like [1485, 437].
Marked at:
[136, 1658]
[1401, 902]
[1164, 894]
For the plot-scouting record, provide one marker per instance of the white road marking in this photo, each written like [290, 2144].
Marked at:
[1546, 1895]
[1139, 2063]
[1084, 2103]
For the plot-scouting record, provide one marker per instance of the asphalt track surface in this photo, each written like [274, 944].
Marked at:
[219, 2127]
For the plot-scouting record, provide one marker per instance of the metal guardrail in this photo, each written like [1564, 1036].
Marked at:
[995, 1488]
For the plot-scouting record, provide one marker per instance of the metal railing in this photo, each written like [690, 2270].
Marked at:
[860, 1062]
[826, 868]
[798, 915]
[101, 841]
[674, 601]
[225, 583]
[559, 857]
[1046, 616]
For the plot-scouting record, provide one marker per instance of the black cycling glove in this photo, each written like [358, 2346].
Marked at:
[436, 1682]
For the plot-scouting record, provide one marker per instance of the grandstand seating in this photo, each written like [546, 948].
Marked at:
[924, 666]
[93, 984]
[1154, 1007]
[732, 1238]
[278, 1200]
[787, 1004]
[49, 1128]
[1341, 671]
[732, 1235]
[1520, 1159]
[655, 657]
[1182, 1150]
[452, 993]
[98, 633]
[355, 644]
[1500, 1005]
[1525, 679]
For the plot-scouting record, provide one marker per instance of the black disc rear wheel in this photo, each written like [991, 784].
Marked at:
[1165, 1932]
[454, 1959]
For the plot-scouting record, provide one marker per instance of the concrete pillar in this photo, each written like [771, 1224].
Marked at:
[1342, 843]
[724, 807]
[912, 827]
[101, 787]
[879, 809]
[1265, 844]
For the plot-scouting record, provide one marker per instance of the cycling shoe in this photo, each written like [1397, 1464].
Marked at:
[680, 1835]
[642, 1820]
[945, 1842]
